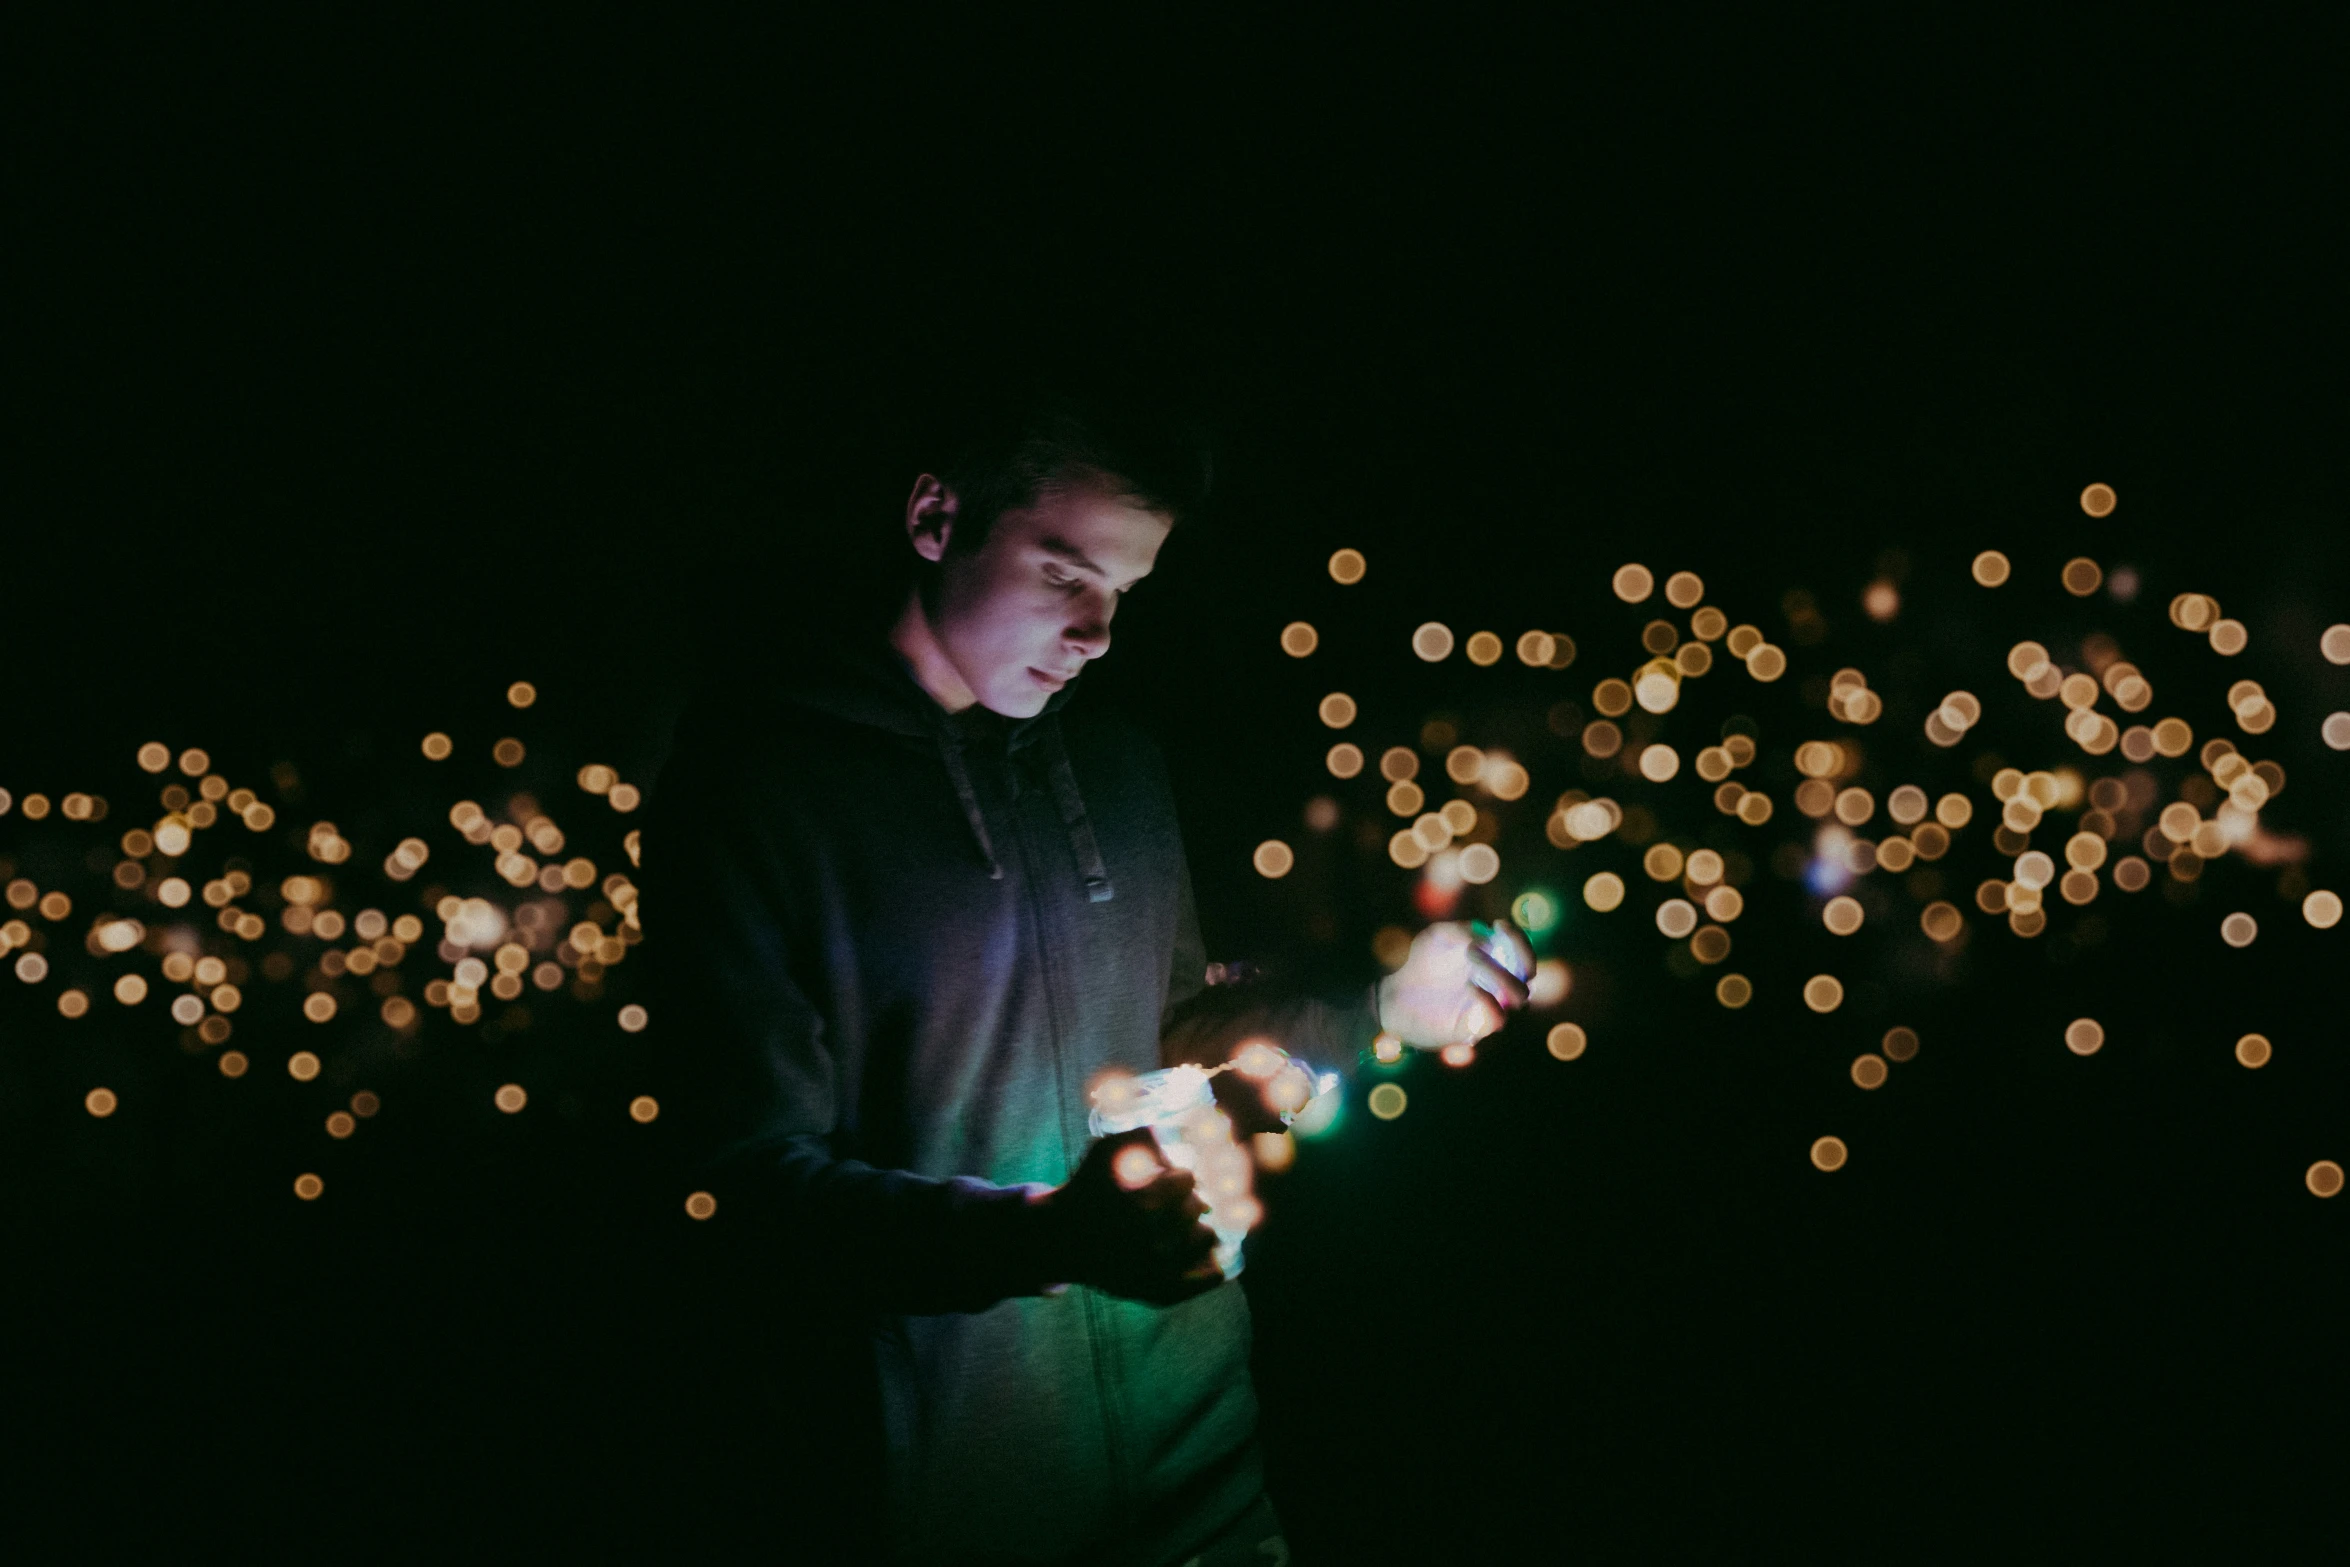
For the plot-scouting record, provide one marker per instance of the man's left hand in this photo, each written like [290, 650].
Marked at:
[1454, 989]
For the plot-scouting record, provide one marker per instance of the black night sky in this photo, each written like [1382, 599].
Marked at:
[361, 369]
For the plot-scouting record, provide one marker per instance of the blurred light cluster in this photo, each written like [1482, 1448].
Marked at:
[2133, 797]
[222, 923]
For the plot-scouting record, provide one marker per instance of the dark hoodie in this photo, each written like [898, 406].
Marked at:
[902, 945]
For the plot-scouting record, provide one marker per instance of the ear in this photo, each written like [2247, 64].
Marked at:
[930, 517]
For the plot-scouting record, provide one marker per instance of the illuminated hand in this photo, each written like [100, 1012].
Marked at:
[1128, 1224]
[1453, 989]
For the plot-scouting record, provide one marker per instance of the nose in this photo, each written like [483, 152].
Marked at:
[1088, 632]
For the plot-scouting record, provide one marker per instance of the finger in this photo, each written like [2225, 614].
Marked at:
[1515, 951]
[1487, 974]
[1168, 1191]
[1183, 1250]
[1478, 1019]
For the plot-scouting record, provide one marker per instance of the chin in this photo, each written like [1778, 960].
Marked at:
[1023, 701]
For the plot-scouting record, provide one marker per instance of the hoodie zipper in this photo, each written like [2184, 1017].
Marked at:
[1097, 1336]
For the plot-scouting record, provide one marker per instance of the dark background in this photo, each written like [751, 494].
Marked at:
[358, 373]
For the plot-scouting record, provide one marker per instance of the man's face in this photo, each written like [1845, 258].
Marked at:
[1021, 615]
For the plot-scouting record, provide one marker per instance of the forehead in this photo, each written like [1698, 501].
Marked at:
[1106, 529]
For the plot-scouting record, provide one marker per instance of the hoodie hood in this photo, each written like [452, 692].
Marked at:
[869, 682]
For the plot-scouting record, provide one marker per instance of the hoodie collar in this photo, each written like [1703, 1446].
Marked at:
[871, 683]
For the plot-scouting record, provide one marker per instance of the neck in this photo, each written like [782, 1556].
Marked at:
[933, 670]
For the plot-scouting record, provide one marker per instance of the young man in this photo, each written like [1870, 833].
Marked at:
[904, 920]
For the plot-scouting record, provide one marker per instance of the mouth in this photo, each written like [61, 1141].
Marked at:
[1051, 682]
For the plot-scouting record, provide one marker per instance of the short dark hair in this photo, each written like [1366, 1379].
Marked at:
[1137, 447]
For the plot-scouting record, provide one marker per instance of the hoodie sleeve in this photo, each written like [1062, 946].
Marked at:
[764, 1092]
[1328, 1029]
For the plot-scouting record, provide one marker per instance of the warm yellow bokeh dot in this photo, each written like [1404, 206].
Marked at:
[2253, 1050]
[1829, 1153]
[1991, 568]
[700, 1205]
[1868, 1071]
[2239, 930]
[302, 1066]
[1273, 858]
[1387, 1101]
[1733, 990]
[510, 1097]
[1604, 892]
[2098, 500]
[522, 693]
[100, 1102]
[1567, 1041]
[1337, 710]
[2322, 909]
[1823, 993]
[643, 1109]
[1484, 649]
[1298, 639]
[1345, 760]
[438, 747]
[1347, 567]
[2084, 1036]
[1683, 589]
[1842, 916]
[1433, 642]
[1633, 584]
[308, 1187]
[1900, 1044]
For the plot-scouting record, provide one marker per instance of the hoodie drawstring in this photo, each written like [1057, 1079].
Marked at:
[950, 751]
[1073, 817]
[1074, 821]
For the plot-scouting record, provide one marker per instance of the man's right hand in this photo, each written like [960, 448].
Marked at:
[1129, 1224]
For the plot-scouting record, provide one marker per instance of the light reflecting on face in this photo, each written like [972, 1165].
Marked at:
[1022, 614]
